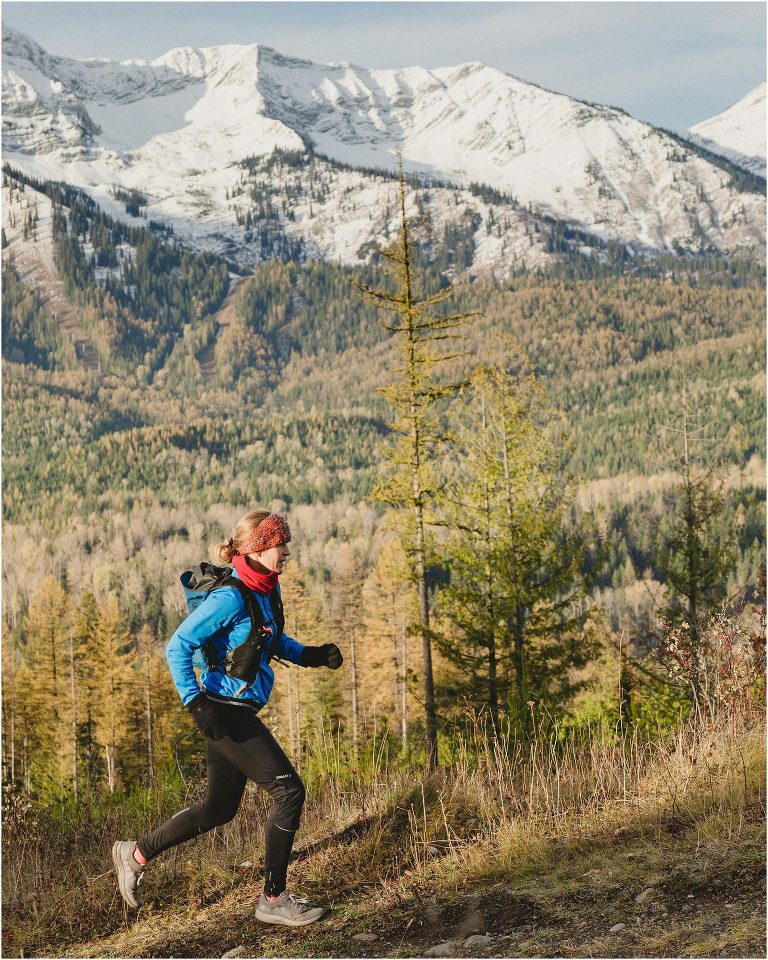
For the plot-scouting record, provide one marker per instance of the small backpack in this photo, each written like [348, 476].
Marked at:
[242, 662]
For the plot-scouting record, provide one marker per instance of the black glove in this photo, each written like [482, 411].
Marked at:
[328, 655]
[206, 716]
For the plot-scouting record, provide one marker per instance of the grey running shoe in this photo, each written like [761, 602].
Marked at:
[289, 909]
[128, 871]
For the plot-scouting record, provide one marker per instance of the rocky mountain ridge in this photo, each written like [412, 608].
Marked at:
[180, 129]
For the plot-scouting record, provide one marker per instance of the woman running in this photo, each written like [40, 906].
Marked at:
[239, 746]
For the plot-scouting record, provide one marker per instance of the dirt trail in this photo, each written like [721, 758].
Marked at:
[223, 317]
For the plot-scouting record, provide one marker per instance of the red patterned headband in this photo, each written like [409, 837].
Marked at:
[272, 531]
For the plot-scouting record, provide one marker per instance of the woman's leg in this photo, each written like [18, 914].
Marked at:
[225, 790]
[243, 748]
[249, 747]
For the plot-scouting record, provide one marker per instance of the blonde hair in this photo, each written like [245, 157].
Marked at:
[243, 530]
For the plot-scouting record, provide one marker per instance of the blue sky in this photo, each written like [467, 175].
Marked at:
[669, 63]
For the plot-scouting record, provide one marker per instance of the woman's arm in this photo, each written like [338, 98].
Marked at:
[289, 649]
[221, 609]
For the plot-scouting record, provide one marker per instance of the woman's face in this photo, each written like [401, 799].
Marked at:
[274, 558]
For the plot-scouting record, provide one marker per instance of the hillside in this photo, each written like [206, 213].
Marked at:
[667, 861]
[291, 359]
[185, 342]
[572, 643]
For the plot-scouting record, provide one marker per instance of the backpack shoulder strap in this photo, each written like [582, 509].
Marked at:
[278, 615]
[251, 604]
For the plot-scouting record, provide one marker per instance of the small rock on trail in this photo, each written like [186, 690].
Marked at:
[478, 940]
[441, 950]
[365, 937]
[616, 927]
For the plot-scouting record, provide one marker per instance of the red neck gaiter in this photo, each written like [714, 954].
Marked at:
[260, 582]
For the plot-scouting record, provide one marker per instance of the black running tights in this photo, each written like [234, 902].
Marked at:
[244, 749]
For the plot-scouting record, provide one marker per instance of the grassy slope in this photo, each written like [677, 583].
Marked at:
[683, 826]
[563, 906]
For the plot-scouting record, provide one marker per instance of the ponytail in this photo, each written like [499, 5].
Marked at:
[225, 551]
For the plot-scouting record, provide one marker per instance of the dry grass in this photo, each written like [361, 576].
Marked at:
[532, 842]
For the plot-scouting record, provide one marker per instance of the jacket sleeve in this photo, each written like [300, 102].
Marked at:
[289, 649]
[220, 610]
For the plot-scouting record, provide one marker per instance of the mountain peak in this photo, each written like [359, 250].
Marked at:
[738, 133]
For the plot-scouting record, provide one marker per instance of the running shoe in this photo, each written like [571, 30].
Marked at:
[290, 909]
[128, 871]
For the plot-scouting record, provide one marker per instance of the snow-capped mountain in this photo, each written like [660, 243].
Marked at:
[179, 128]
[737, 133]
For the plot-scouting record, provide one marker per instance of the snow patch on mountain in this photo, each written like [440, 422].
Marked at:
[344, 214]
